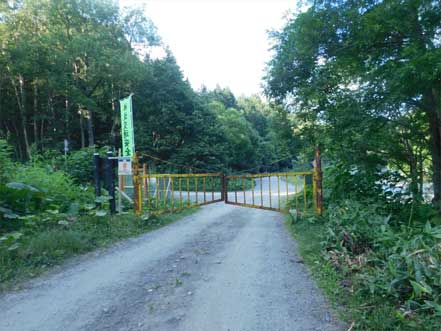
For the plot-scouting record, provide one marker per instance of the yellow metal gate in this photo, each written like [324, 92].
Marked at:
[273, 191]
[161, 193]
[164, 193]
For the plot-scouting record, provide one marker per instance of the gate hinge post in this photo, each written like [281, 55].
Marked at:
[137, 199]
[224, 188]
[318, 182]
[97, 176]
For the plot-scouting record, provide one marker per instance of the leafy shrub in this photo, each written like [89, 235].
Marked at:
[21, 197]
[79, 165]
[6, 164]
[342, 181]
[58, 187]
[352, 228]
[383, 260]
[298, 199]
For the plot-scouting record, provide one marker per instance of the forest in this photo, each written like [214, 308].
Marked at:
[65, 64]
[363, 79]
[360, 79]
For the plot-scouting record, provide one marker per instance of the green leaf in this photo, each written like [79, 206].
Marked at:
[420, 288]
[89, 207]
[13, 247]
[103, 198]
[21, 186]
[434, 305]
[101, 213]
[7, 213]
[74, 208]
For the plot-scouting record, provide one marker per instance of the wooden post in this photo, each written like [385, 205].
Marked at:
[144, 179]
[318, 182]
[224, 195]
[137, 199]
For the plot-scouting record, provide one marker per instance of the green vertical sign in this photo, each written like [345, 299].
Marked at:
[127, 131]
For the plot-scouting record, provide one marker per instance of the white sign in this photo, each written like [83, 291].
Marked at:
[124, 166]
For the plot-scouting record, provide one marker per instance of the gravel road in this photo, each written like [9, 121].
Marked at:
[222, 268]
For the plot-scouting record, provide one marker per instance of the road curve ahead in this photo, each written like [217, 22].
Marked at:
[222, 268]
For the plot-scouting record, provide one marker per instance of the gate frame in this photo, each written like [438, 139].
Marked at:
[317, 178]
[138, 178]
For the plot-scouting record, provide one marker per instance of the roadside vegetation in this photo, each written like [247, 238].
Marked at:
[46, 217]
[361, 79]
[378, 259]
[64, 64]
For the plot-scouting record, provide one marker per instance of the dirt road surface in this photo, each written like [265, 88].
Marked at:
[222, 268]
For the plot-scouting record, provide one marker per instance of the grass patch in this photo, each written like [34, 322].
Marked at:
[45, 247]
[366, 312]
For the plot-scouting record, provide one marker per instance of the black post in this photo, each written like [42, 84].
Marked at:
[224, 188]
[110, 181]
[96, 176]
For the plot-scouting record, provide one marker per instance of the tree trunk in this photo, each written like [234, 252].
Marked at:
[34, 120]
[435, 147]
[431, 105]
[83, 136]
[21, 102]
[114, 120]
[24, 117]
[19, 146]
[66, 119]
[113, 130]
[90, 129]
[42, 134]
[421, 172]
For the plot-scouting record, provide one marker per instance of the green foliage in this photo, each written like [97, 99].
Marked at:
[364, 85]
[21, 198]
[5, 161]
[28, 253]
[35, 194]
[241, 138]
[343, 182]
[79, 165]
[387, 266]
[341, 278]
[66, 69]
[56, 185]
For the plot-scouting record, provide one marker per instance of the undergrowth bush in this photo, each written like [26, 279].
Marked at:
[78, 165]
[385, 260]
[58, 187]
[35, 196]
[384, 243]
[6, 164]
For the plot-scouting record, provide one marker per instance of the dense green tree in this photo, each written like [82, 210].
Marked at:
[171, 122]
[365, 71]
[241, 138]
[222, 95]
[64, 65]
[279, 145]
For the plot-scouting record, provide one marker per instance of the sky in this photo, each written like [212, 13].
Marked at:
[219, 42]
